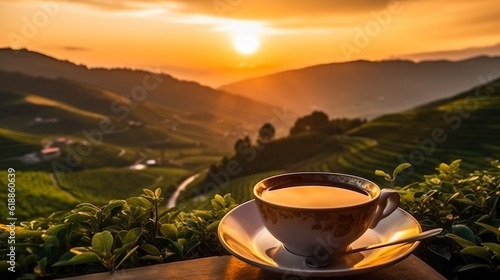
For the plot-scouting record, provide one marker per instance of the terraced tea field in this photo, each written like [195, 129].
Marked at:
[462, 127]
[36, 194]
[101, 185]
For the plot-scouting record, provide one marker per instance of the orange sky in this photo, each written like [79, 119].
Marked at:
[194, 39]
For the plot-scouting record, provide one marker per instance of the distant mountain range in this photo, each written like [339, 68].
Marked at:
[464, 126]
[160, 89]
[456, 54]
[349, 89]
[366, 88]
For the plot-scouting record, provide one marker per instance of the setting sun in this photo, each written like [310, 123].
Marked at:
[246, 44]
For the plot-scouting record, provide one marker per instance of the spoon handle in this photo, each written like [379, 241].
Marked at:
[413, 238]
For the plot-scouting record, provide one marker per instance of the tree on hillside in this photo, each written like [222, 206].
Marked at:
[341, 125]
[242, 144]
[316, 121]
[266, 133]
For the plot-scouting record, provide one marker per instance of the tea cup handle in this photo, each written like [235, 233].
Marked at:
[387, 203]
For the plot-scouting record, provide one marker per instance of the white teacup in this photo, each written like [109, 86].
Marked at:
[342, 208]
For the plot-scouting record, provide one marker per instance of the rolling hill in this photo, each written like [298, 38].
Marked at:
[465, 126]
[139, 86]
[64, 107]
[366, 88]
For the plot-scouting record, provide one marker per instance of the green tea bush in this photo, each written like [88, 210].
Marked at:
[137, 231]
[121, 234]
[466, 206]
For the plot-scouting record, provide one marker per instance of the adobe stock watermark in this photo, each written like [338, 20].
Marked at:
[221, 7]
[121, 110]
[363, 36]
[453, 120]
[12, 219]
[322, 252]
[31, 26]
[219, 180]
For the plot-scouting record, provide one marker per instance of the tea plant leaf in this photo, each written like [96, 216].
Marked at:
[400, 168]
[435, 181]
[217, 202]
[481, 198]
[41, 266]
[80, 250]
[172, 215]
[51, 239]
[213, 226]
[102, 242]
[465, 200]
[113, 207]
[428, 224]
[122, 249]
[492, 204]
[444, 167]
[451, 198]
[86, 204]
[182, 241]
[493, 247]
[462, 242]
[490, 228]
[133, 235]
[54, 230]
[469, 179]
[474, 266]
[454, 165]
[169, 231]
[191, 245]
[176, 247]
[471, 222]
[229, 200]
[150, 249]
[382, 174]
[465, 232]
[148, 193]
[440, 251]
[87, 257]
[139, 202]
[203, 214]
[126, 256]
[78, 217]
[157, 192]
[477, 251]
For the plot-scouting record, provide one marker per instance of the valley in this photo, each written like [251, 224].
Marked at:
[75, 135]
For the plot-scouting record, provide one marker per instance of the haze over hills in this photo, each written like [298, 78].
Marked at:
[465, 126]
[63, 100]
[161, 89]
[365, 88]
[455, 54]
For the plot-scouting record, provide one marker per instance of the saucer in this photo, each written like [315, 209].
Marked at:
[243, 234]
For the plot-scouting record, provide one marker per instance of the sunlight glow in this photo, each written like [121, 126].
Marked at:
[246, 43]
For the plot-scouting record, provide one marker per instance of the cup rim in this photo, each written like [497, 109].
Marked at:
[288, 207]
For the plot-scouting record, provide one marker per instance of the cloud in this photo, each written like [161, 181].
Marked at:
[282, 16]
[75, 49]
[253, 8]
[493, 50]
[246, 9]
[117, 5]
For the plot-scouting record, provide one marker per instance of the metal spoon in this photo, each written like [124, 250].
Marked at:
[312, 262]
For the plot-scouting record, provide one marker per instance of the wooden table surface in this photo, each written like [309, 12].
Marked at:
[231, 268]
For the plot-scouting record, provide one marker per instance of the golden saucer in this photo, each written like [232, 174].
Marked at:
[242, 233]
